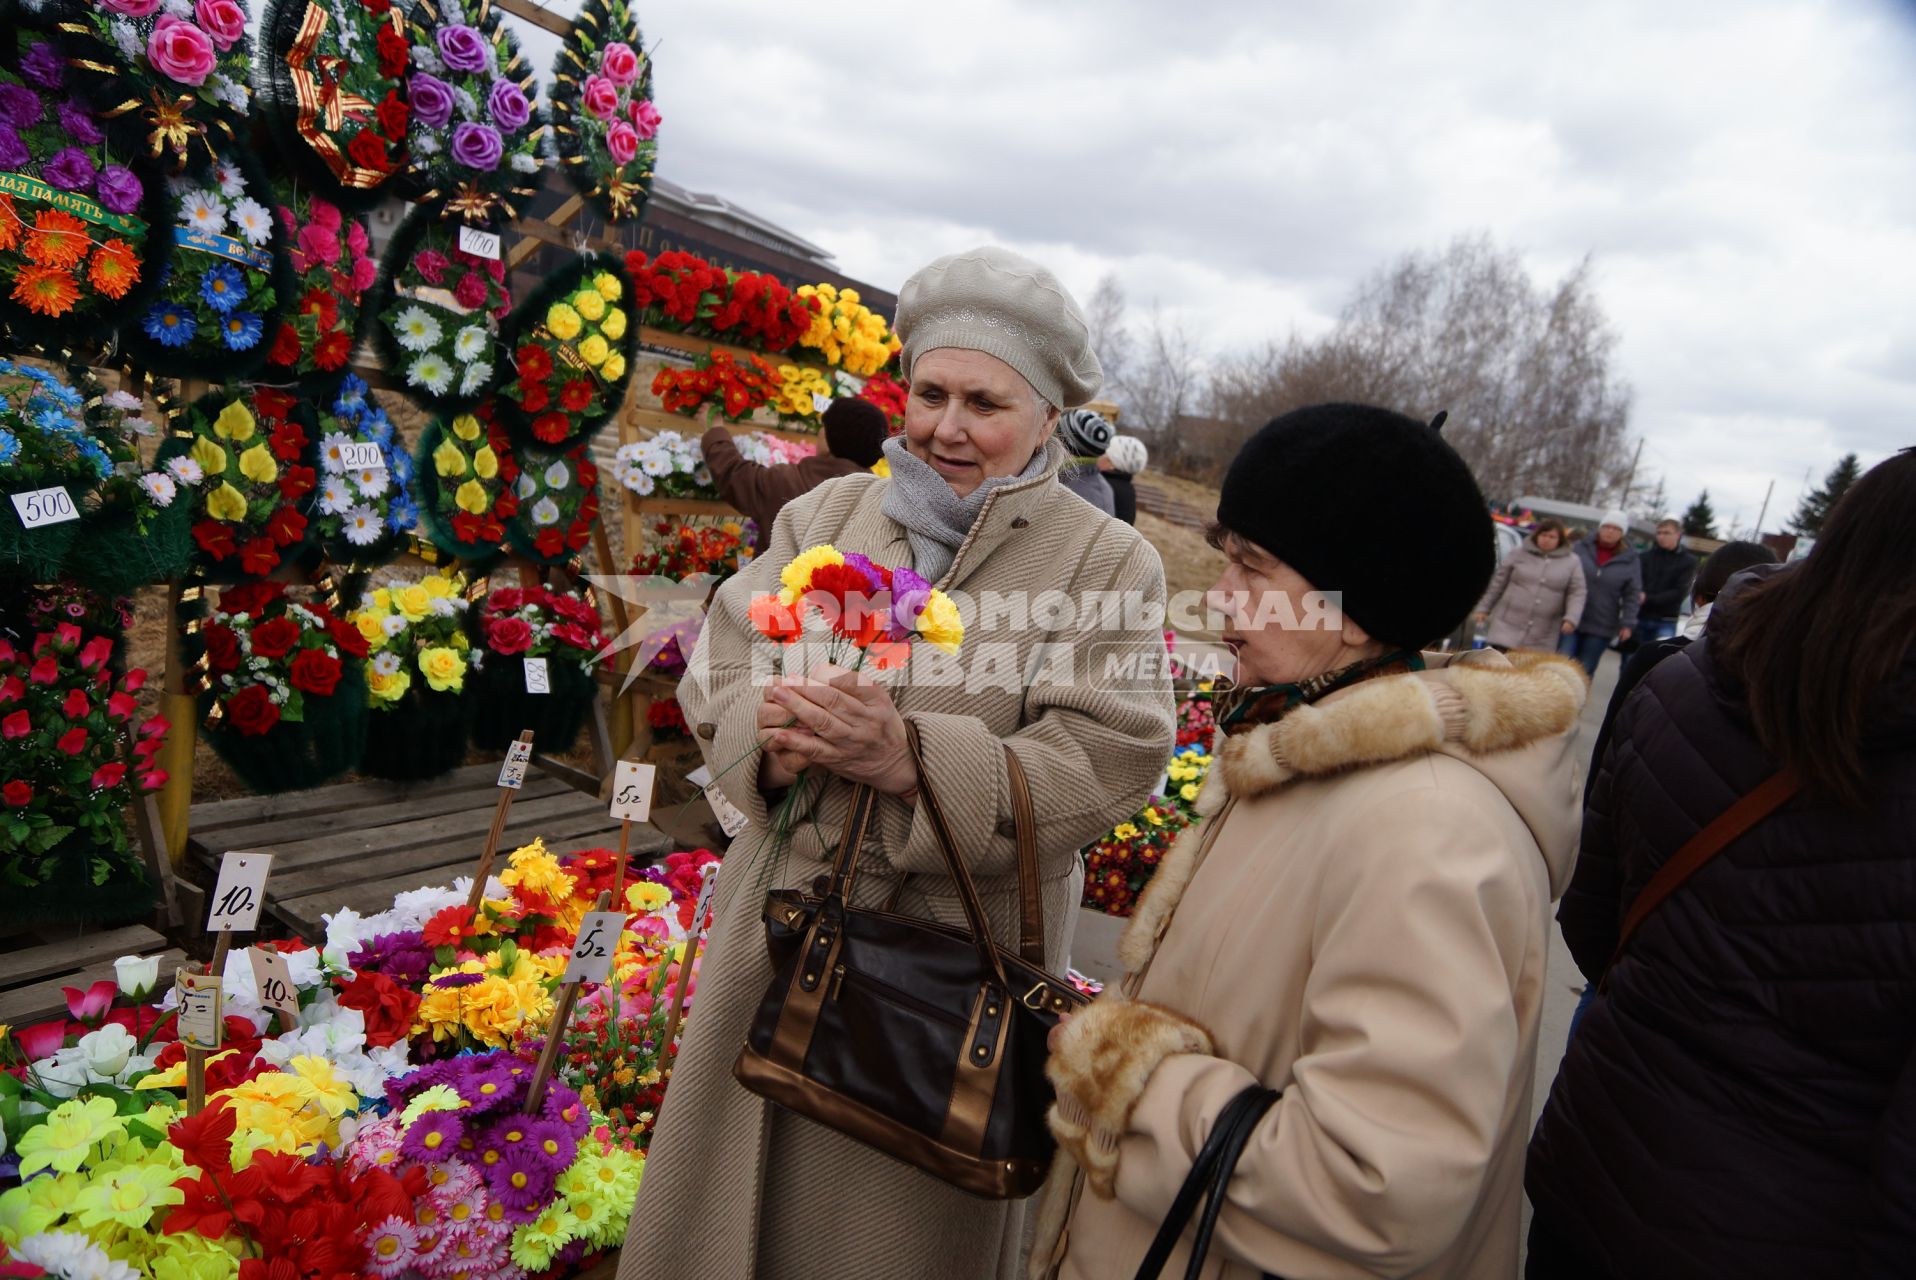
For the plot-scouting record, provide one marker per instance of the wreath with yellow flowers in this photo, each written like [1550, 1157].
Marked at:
[571, 344]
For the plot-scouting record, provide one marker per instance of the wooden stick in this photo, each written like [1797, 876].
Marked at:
[678, 995]
[555, 1034]
[618, 875]
[506, 794]
[196, 1058]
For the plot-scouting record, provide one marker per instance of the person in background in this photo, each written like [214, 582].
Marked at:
[1668, 568]
[1741, 1098]
[1086, 436]
[854, 438]
[1613, 580]
[1123, 460]
[1536, 595]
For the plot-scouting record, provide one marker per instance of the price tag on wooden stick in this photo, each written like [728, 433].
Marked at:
[512, 773]
[707, 892]
[240, 893]
[594, 948]
[200, 1009]
[632, 785]
[273, 981]
[44, 506]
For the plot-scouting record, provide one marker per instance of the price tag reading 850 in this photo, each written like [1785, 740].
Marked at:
[538, 679]
[240, 893]
[593, 948]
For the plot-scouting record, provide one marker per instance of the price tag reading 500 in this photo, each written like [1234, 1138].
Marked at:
[44, 506]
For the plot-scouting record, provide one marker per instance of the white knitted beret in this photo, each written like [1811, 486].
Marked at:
[994, 301]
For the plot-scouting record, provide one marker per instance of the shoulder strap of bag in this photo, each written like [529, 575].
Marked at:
[1770, 795]
[955, 864]
[1209, 1177]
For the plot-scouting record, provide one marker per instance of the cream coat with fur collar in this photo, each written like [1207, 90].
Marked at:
[1360, 923]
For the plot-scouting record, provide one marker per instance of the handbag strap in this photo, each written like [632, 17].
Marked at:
[960, 874]
[1769, 795]
[1209, 1177]
[1025, 822]
[851, 842]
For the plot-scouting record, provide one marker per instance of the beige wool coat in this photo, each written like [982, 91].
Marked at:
[1532, 594]
[1359, 923]
[738, 1189]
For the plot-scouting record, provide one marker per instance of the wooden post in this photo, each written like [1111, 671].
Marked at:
[196, 1058]
[669, 1053]
[555, 1034]
[618, 875]
[182, 713]
[506, 794]
[621, 711]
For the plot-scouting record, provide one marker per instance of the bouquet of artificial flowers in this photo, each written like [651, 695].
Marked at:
[519, 623]
[416, 677]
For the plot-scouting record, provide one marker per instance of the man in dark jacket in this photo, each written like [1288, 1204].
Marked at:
[855, 432]
[1668, 569]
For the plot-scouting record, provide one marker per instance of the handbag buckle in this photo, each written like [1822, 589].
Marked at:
[1042, 997]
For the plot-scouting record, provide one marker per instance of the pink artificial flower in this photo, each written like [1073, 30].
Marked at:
[73, 741]
[180, 51]
[121, 705]
[365, 271]
[153, 779]
[77, 704]
[109, 775]
[223, 20]
[356, 238]
[645, 119]
[601, 97]
[132, 8]
[12, 689]
[91, 1005]
[319, 243]
[66, 635]
[431, 266]
[622, 140]
[17, 725]
[95, 653]
[470, 292]
[620, 64]
[44, 1039]
[45, 671]
[324, 215]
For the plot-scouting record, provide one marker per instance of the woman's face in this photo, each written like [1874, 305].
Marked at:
[1548, 540]
[972, 417]
[1280, 628]
[1609, 535]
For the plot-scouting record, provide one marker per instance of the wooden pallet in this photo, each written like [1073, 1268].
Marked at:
[357, 844]
[34, 967]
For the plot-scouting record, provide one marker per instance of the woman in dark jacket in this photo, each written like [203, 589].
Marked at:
[1614, 574]
[1741, 1099]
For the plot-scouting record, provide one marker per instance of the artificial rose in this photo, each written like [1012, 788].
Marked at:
[136, 975]
[252, 710]
[432, 100]
[645, 119]
[622, 140]
[275, 637]
[391, 115]
[463, 48]
[509, 635]
[17, 725]
[180, 50]
[387, 1006]
[314, 671]
[477, 146]
[394, 53]
[601, 97]
[73, 741]
[118, 189]
[508, 105]
[620, 64]
[18, 793]
[132, 8]
[108, 775]
[222, 647]
[223, 20]
[368, 152]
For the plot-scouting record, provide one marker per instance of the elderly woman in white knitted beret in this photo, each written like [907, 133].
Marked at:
[994, 349]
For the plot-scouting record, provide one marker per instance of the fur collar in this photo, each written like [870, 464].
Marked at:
[1482, 701]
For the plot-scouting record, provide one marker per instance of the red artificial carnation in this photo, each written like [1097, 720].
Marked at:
[252, 710]
[275, 637]
[286, 348]
[314, 671]
[259, 556]
[222, 648]
[388, 1007]
[214, 538]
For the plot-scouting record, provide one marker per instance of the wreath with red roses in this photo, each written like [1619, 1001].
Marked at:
[254, 450]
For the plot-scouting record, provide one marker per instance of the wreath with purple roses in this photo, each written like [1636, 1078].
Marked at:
[476, 130]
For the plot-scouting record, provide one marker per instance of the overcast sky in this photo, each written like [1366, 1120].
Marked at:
[1741, 171]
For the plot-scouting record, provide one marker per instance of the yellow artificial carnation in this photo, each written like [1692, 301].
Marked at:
[210, 455]
[258, 465]
[412, 603]
[613, 326]
[594, 350]
[940, 624]
[589, 304]
[485, 463]
[467, 427]
[608, 286]
[614, 367]
[235, 423]
[226, 503]
[444, 669]
[563, 321]
[796, 577]
[449, 459]
[471, 498]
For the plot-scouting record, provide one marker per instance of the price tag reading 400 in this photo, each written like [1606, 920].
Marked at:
[632, 790]
[240, 893]
[593, 949]
[480, 244]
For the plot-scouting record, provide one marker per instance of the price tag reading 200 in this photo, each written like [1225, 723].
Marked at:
[240, 893]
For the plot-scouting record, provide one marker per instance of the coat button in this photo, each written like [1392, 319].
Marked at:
[1008, 829]
[708, 731]
[1021, 523]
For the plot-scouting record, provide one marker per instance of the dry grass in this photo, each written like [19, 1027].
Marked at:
[1189, 562]
[1190, 492]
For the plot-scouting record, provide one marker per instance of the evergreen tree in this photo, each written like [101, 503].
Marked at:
[1700, 521]
[1816, 507]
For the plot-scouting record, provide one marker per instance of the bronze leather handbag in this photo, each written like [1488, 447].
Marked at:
[919, 1039]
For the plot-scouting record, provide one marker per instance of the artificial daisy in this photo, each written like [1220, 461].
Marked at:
[363, 526]
[470, 342]
[335, 498]
[203, 212]
[228, 177]
[168, 325]
[416, 329]
[475, 377]
[371, 481]
[332, 451]
[185, 470]
[430, 372]
[253, 220]
[241, 330]
[223, 287]
[387, 663]
[159, 487]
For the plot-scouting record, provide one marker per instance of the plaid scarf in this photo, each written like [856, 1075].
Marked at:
[1239, 710]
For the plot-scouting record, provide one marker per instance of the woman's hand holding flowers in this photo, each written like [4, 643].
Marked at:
[839, 720]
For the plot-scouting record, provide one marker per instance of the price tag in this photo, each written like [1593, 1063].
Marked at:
[538, 680]
[240, 893]
[632, 790]
[706, 892]
[513, 772]
[44, 506]
[592, 949]
[480, 244]
[200, 1009]
[274, 982]
[820, 402]
[357, 457]
[700, 777]
[730, 819]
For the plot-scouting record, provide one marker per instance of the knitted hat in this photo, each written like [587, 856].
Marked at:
[1617, 517]
[1084, 433]
[855, 430]
[1371, 504]
[1128, 455]
[994, 301]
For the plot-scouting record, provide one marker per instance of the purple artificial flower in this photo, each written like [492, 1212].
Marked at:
[508, 105]
[865, 567]
[446, 981]
[487, 1088]
[463, 48]
[433, 1138]
[477, 146]
[564, 1105]
[44, 66]
[78, 122]
[909, 594]
[13, 152]
[515, 1173]
[70, 170]
[551, 1144]
[119, 189]
[19, 106]
[403, 957]
[431, 100]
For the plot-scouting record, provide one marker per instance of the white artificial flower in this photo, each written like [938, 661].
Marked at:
[557, 475]
[701, 475]
[471, 342]
[203, 211]
[386, 663]
[231, 183]
[334, 496]
[640, 483]
[416, 329]
[545, 511]
[392, 624]
[254, 221]
[527, 486]
[185, 470]
[106, 1051]
[468, 105]
[127, 40]
[63, 1075]
[332, 452]
[136, 975]
[475, 377]
[363, 526]
[120, 400]
[425, 144]
[72, 1256]
[426, 58]
[372, 481]
[140, 427]
[656, 464]
[159, 487]
[446, 607]
[430, 372]
[524, 162]
[179, 8]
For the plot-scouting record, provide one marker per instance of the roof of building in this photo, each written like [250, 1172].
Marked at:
[721, 214]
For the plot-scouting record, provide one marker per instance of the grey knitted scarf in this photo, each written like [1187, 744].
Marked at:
[937, 520]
